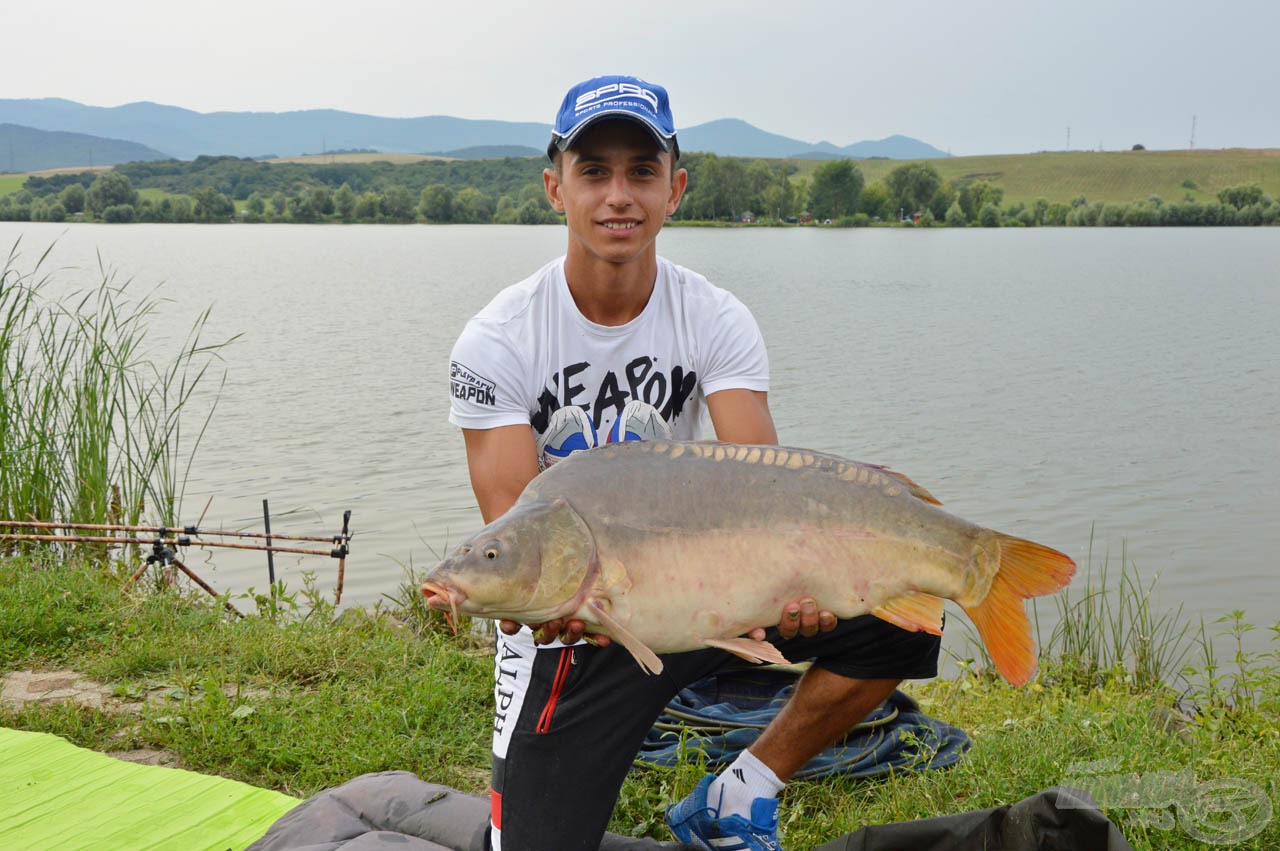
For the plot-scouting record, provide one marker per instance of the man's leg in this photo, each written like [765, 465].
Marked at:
[857, 666]
[566, 741]
[825, 707]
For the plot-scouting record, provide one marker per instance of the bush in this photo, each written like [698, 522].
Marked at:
[1241, 195]
[1056, 215]
[119, 214]
[55, 212]
[1250, 216]
[1112, 215]
[1026, 218]
[1141, 215]
[955, 216]
[989, 216]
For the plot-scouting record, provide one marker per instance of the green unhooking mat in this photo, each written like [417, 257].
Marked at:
[54, 795]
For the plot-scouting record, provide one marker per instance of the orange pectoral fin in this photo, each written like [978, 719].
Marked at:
[914, 610]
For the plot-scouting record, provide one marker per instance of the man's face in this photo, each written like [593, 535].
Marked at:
[615, 188]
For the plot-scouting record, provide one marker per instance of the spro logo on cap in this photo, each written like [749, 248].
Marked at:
[612, 92]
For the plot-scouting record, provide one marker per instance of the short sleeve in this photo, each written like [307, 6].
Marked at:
[486, 379]
[733, 352]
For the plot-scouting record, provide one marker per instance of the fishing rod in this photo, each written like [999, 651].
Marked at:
[180, 541]
[185, 530]
[165, 541]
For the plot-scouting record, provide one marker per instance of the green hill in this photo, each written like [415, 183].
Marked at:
[1105, 176]
[25, 149]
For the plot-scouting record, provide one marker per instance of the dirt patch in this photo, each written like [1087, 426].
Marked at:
[49, 688]
[147, 756]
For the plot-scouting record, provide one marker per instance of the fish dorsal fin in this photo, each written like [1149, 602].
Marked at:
[646, 658]
[914, 610]
[912, 488]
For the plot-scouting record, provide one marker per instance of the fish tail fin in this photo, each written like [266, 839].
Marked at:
[1026, 569]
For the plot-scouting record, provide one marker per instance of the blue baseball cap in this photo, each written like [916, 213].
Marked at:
[614, 96]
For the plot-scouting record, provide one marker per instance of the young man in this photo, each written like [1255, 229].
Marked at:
[612, 342]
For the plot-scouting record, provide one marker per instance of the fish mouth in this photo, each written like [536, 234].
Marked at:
[443, 598]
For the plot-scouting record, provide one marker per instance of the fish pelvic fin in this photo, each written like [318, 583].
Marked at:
[749, 649]
[645, 658]
[1026, 569]
[915, 611]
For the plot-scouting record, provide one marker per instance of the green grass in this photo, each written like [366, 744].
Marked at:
[10, 183]
[1106, 176]
[305, 700]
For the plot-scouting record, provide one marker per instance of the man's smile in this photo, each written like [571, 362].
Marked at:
[621, 224]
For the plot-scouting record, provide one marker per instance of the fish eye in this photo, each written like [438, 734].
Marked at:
[492, 551]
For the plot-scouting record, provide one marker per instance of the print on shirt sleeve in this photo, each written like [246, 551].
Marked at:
[469, 386]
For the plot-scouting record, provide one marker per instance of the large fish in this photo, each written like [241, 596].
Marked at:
[669, 546]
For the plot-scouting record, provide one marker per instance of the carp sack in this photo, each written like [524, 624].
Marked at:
[669, 547]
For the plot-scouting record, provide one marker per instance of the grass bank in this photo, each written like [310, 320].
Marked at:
[303, 700]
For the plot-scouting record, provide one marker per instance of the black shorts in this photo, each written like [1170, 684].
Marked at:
[569, 720]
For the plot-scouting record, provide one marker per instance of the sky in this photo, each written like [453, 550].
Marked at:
[983, 76]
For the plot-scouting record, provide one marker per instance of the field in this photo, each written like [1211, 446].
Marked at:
[1105, 176]
[10, 183]
[327, 159]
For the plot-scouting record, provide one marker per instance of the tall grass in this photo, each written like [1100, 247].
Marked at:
[91, 424]
[1107, 625]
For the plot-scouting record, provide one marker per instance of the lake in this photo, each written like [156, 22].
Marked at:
[1114, 388]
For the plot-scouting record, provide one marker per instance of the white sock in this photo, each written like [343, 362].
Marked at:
[741, 783]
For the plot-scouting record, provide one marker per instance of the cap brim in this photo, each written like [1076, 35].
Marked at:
[564, 143]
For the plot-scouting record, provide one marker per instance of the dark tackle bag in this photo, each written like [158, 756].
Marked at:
[1057, 819]
[720, 716]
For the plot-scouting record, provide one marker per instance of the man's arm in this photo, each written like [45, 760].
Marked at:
[501, 462]
[742, 416]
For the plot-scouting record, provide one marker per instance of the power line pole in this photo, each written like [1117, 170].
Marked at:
[1192, 145]
[1068, 138]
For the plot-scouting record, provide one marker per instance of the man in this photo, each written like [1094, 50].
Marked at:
[613, 342]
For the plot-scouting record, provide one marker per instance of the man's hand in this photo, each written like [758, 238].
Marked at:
[800, 618]
[568, 631]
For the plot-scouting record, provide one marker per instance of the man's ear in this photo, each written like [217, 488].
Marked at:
[551, 183]
[678, 184]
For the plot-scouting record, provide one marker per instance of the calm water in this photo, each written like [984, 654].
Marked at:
[1114, 384]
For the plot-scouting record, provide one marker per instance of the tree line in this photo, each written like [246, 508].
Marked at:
[721, 189]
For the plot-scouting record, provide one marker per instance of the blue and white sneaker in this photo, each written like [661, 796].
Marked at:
[570, 430]
[694, 822]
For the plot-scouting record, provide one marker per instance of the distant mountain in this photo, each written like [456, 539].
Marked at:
[734, 137]
[186, 134]
[895, 148]
[28, 149]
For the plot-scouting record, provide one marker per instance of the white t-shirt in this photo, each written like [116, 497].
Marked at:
[531, 351]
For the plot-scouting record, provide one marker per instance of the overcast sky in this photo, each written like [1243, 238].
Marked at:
[973, 77]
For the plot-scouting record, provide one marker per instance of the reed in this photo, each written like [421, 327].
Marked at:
[91, 423]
